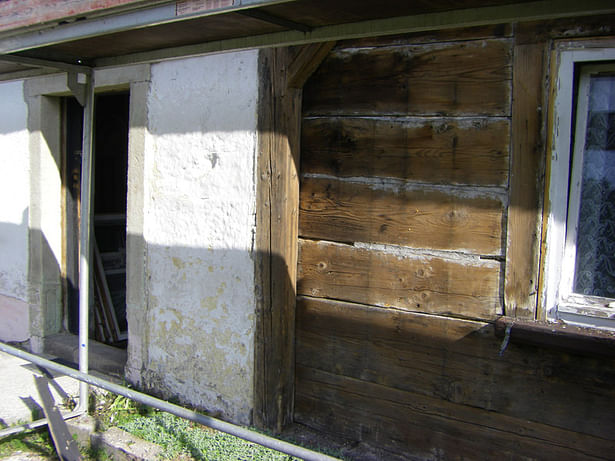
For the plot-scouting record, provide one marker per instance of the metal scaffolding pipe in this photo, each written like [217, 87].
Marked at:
[85, 247]
[176, 410]
[34, 424]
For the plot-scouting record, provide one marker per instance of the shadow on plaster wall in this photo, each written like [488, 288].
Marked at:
[13, 264]
[202, 318]
[220, 300]
[12, 111]
[30, 274]
[11, 125]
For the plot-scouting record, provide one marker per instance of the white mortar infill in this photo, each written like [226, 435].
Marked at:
[197, 340]
[14, 188]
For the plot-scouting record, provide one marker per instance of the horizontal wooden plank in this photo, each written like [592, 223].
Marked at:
[465, 78]
[566, 28]
[349, 212]
[442, 151]
[418, 425]
[323, 12]
[433, 36]
[457, 361]
[467, 288]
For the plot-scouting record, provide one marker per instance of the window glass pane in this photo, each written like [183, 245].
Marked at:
[595, 246]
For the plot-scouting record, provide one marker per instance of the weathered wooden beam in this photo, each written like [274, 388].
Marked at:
[460, 287]
[438, 151]
[457, 219]
[453, 364]
[306, 63]
[276, 240]
[443, 79]
[262, 16]
[527, 163]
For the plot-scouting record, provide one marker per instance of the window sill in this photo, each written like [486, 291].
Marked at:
[577, 340]
[589, 310]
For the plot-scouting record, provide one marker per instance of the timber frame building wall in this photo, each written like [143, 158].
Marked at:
[418, 195]
[190, 266]
[393, 231]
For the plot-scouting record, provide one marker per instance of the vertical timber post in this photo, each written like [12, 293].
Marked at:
[283, 73]
[526, 170]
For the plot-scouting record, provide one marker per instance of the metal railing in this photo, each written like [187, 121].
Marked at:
[214, 423]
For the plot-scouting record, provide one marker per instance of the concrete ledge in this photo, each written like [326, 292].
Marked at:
[81, 429]
[118, 444]
[122, 446]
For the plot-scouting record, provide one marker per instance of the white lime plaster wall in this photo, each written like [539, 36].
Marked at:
[192, 338]
[14, 205]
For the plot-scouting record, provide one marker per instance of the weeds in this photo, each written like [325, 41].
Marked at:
[115, 410]
[95, 454]
[179, 437]
[38, 442]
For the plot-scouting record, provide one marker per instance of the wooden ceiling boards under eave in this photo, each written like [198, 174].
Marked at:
[188, 32]
[318, 13]
[312, 13]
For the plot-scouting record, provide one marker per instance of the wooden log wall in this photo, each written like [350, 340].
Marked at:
[407, 145]
[403, 227]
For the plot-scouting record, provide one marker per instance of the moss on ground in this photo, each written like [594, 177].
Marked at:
[180, 439]
[38, 442]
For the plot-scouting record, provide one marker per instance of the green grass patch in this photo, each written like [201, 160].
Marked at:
[38, 442]
[179, 438]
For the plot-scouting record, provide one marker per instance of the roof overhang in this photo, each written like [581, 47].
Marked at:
[155, 31]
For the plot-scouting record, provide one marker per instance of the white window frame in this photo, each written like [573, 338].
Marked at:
[562, 209]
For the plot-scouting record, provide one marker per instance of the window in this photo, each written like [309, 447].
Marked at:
[580, 278]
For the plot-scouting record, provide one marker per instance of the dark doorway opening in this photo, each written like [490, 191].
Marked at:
[108, 263]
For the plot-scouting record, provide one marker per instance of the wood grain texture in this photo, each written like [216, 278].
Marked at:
[276, 240]
[324, 12]
[452, 365]
[262, 243]
[525, 200]
[373, 362]
[422, 218]
[441, 151]
[434, 36]
[412, 424]
[529, 33]
[466, 78]
[306, 63]
[420, 284]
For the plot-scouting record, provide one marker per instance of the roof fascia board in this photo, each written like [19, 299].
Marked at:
[23, 74]
[85, 29]
[46, 64]
[136, 18]
[80, 15]
[531, 11]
